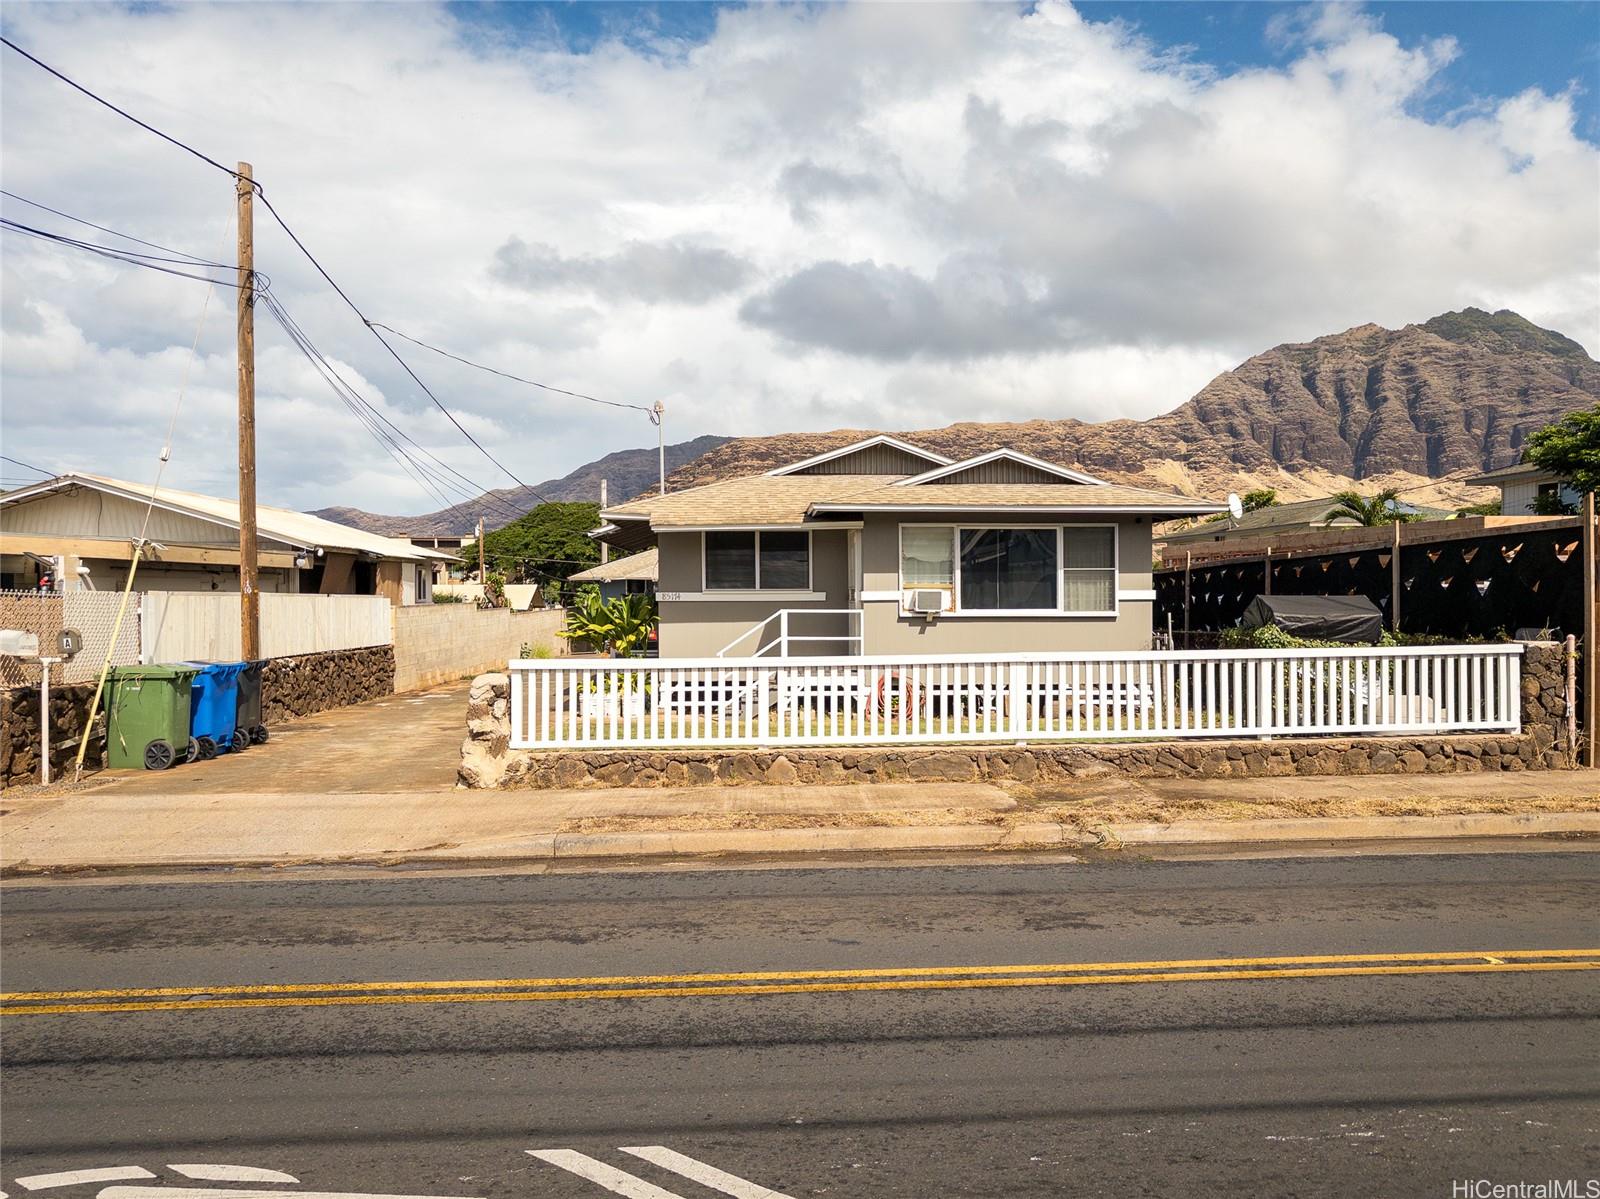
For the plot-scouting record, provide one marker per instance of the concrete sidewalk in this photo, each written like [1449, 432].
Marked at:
[121, 828]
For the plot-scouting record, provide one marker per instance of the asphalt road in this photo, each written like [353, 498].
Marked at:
[903, 1085]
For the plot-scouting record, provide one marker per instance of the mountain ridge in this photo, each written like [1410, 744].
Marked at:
[1419, 408]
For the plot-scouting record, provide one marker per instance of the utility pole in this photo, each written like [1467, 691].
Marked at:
[605, 550]
[659, 415]
[249, 593]
[482, 578]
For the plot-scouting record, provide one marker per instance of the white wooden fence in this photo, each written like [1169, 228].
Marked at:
[184, 626]
[634, 703]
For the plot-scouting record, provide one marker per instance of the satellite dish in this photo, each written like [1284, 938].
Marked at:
[1235, 505]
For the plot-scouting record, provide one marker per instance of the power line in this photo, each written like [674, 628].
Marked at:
[188, 149]
[49, 474]
[300, 245]
[131, 257]
[577, 395]
[395, 439]
[198, 261]
[404, 365]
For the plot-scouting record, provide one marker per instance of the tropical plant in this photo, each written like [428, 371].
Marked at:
[1569, 449]
[1369, 512]
[620, 625]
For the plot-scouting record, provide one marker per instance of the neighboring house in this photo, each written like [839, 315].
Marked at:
[882, 547]
[634, 575]
[1521, 486]
[1296, 516]
[80, 529]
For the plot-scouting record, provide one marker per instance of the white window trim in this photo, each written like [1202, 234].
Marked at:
[758, 591]
[960, 613]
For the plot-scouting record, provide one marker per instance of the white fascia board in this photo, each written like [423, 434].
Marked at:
[1040, 510]
[805, 527]
[955, 468]
[881, 439]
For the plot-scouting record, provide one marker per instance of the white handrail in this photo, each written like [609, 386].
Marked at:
[784, 637]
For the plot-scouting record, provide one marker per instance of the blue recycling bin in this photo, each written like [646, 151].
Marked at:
[214, 708]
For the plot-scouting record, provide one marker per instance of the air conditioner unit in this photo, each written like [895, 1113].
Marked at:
[927, 602]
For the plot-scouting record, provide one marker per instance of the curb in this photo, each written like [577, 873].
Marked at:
[551, 847]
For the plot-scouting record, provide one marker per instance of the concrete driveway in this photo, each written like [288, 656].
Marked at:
[400, 743]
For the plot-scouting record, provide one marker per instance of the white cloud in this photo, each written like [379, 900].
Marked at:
[879, 215]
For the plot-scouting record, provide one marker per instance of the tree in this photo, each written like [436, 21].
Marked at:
[1381, 509]
[1569, 449]
[1261, 497]
[551, 541]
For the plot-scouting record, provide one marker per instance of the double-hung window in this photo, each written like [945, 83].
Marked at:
[1069, 569]
[758, 561]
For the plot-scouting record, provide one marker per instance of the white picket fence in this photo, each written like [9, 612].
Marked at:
[844, 701]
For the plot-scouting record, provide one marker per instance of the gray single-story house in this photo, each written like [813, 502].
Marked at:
[882, 547]
[635, 574]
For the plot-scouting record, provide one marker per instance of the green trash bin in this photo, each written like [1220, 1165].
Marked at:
[147, 717]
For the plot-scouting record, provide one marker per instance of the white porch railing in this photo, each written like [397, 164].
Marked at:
[707, 702]
[784, 638]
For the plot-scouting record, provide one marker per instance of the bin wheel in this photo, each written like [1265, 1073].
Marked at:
[158, 755]
[207, 747]
[241, 740]
[191, 751]
[258, 735]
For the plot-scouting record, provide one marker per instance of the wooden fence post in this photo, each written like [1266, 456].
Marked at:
[1394, 581]
[1591, 618]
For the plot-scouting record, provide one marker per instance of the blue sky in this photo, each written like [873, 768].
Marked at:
[1506, 46]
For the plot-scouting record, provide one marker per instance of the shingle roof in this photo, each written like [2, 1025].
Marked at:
[1518, 470]
[646, 564]
[767, 500]
[1294, 515]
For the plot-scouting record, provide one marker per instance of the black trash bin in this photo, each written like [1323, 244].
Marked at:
[250, 702]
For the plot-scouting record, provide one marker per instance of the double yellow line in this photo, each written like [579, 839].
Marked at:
[788, 982]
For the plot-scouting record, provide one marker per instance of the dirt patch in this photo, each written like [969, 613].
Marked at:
[1092, 814]
[716, 821]
[1163, 809]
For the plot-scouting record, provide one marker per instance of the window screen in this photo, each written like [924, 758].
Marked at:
[1008, 569]
[926, 557]
[730, 561]
[1090, 571]
[785, 561]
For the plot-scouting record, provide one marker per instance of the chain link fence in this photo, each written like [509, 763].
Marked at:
[92, 614]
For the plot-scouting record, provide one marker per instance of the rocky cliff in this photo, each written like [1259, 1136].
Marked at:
[1419, 408]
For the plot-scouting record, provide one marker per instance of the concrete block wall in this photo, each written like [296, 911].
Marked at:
[436, 643]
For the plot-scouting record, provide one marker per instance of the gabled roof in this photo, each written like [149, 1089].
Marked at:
[1506, 474]
[761, 501]
[996, 456]
[646, 564]
[882, 439]
[298, 529]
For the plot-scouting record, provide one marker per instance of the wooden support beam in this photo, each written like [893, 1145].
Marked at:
[95, 549]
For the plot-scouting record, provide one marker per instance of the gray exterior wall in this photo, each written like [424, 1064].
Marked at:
[697, 627]
[887, 631]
